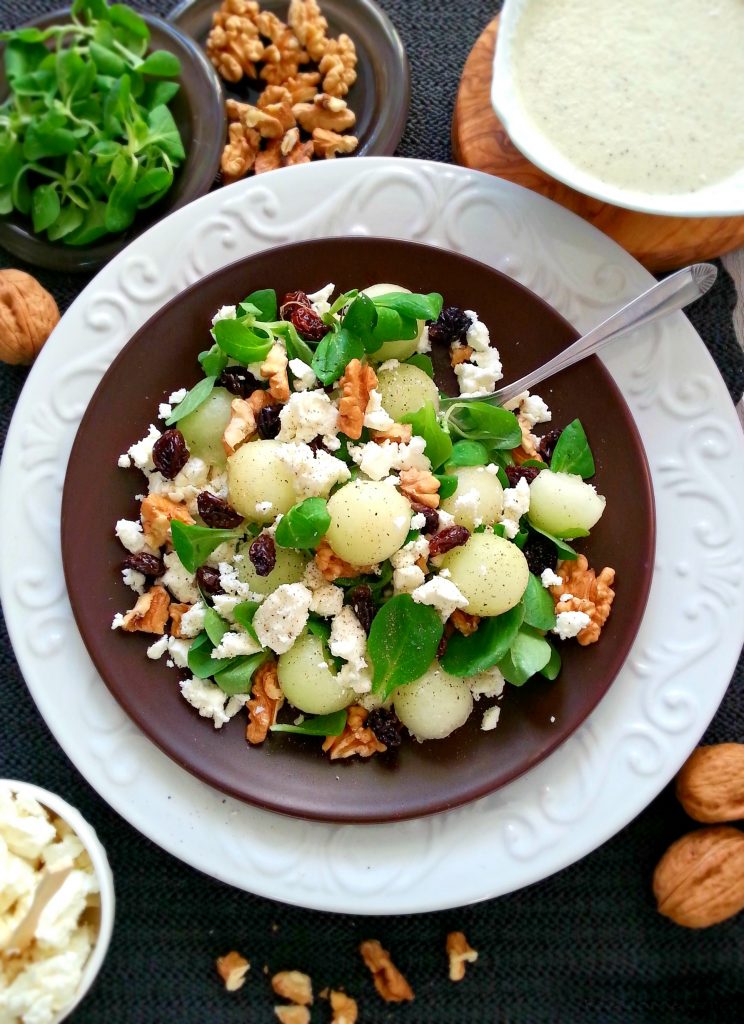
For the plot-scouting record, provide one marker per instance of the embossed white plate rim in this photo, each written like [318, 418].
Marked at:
[639, 734]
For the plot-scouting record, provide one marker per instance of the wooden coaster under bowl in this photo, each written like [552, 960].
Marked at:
[480, 141]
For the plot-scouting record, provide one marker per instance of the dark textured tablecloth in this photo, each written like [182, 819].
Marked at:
[584, 947]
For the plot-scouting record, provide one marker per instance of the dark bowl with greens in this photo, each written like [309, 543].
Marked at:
[109, 121]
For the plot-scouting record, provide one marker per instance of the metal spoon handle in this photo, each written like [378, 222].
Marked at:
[671, 294]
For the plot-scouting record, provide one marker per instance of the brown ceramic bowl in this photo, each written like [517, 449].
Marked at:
[289, 773]
[199, 112]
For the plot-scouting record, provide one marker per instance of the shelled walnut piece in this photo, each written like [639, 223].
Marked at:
[421, 486]
[345, 1009]
[156, 513]
[294, 986]
[274, 369]
[265, 703]
[292, 1014]
[388, 980]
[333, 567]
[233, 44]
[590, 594]
[459, 952]
[28, 315]
[356, 740]
[232, 968]
[357, 383]
[329, 144]
[241, 426]
[149, 614]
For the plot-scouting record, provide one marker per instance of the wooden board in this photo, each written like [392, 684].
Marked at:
[480, 141]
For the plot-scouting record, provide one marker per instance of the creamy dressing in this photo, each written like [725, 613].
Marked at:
[645, 94]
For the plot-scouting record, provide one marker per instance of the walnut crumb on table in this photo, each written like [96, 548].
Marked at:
[388, 980]
[232, 968]
[292, 1014]
[294, 986]
[460, 952]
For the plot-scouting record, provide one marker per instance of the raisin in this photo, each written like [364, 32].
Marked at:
[547, 443]
[169, 453]
[539, 552]
[430, 514]
[238, 381]
[290, 302]
[360, 599]
[308, 324]
[262, 553]
[268, 423]
[516, 473]
[451, 325]
[448, 538]
[208, 579]
[216, 512]
[386, 726]
[148, 565]
[442, 647]
[316, 445]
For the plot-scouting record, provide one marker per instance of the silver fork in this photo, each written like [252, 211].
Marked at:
[669, 295]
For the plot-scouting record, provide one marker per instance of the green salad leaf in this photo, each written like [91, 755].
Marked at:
[334, 353]
[201, 662]
[237, 676]
[304, 525]
[553, 667]
[265, 303]
[194, 544]
[469, 655]
[425, 424]
[415, 307]
[215, 626]
[423, 362]
[244, 613]
[529, 653]
[572, 453]
[240, 342]
[479, 421]
[198, 394]
[391, 326]
[469, 453]
[319, 725]
[361, 320]
[539, 608]
[447, 485]
[402, 643]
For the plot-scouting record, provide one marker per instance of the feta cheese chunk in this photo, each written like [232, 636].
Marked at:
[319, 300]
[516, 504]
[548, 578]
[479, 375]
[487, 684]
[307, 415]
[477, 335]
[129, 532]
[570, 624]
[140, 453]
[304, 375]
[377, 460]
[418, 521]
[424, 342]
[441, 594]
[208, 699]
[233, 645]
[225, 313]
[410, 553]
[283, 616]
[490, 719]
[134, 580]
[192, 621]
[314, 474]
[349, 641]
[158, 649]
[407, 579]
[177, 578]
[375, 417]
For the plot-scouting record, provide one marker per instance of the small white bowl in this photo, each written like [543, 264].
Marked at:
[87, 836]
[722, 199]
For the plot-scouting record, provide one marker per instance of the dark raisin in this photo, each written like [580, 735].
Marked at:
[268, 423]
[431, 515]
[238, 381]
[208, 579]
[308, 324]
[360, 599]
[547, 443]
[448, 538]
[540, 553]
[148, 565]
[442, 648]
[316, 445]
[516, 473]
[169, 453]
[451, 325]
[386, 726]
[216, 512]
[262, 553]
[290, 302]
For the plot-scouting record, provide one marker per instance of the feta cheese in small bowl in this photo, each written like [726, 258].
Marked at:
[40, 833]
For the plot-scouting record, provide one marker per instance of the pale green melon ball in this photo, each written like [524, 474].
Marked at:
[478, 500]
[490, 571]
[255, 475]
[203, 428]
[369, 521]
[406, 389]
[434, 705]
[561, 502]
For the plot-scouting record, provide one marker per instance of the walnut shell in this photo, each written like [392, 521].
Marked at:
[710, 785]
[700, 879]
[28, 315]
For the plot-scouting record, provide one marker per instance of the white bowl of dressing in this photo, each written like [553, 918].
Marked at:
[639, 103]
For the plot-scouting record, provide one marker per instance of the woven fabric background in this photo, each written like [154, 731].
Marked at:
[584, 947]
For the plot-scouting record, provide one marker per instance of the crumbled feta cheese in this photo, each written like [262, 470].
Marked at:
[118, 621]
[282, 616]
[218, 484]
[304, 375]
[158, 649]
[178, 396]
[479, 376]
[349, 641]
[490, 719]
[566, 597]
[410, 553]
[516, 504]
[446, 573]
[307, 415]
[192, 621]
[389, 364]
[377, 460]
[313, 473]
[469, 504]
[129, 532]
[59, 918]
[208, 699]
[179, 651]
[224, 604]
[424, 342]
[492, 468]
[327, 601]
[534, 410]
[24, 826]
[185, 486]
[164, 411]
[232, 584]
[40, 992]
[134, 580]
[180, 582]
[124, 461]
[319, 300]
[407, 579]
[487, 684]
[441, 594]
[418, 521]
[233, 645]
[548, 578]
[375, 417]
[225, 313]
[141, 452]
[445, 519]
[570, 624]
[477, 335]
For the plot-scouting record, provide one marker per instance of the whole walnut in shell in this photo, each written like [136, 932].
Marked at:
[28, 315]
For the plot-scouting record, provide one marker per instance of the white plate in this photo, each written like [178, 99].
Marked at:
[721, 199]
[654, 713]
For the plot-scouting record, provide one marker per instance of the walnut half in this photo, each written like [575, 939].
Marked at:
[388, 980]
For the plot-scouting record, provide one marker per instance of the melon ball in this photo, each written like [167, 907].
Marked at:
[562, 502]
[289, 568]
[490, 571]
[370, 521]
[406, 389]
[478, 500]
[308, 678]
[434, 705]
[257, 477]
[203, 428]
